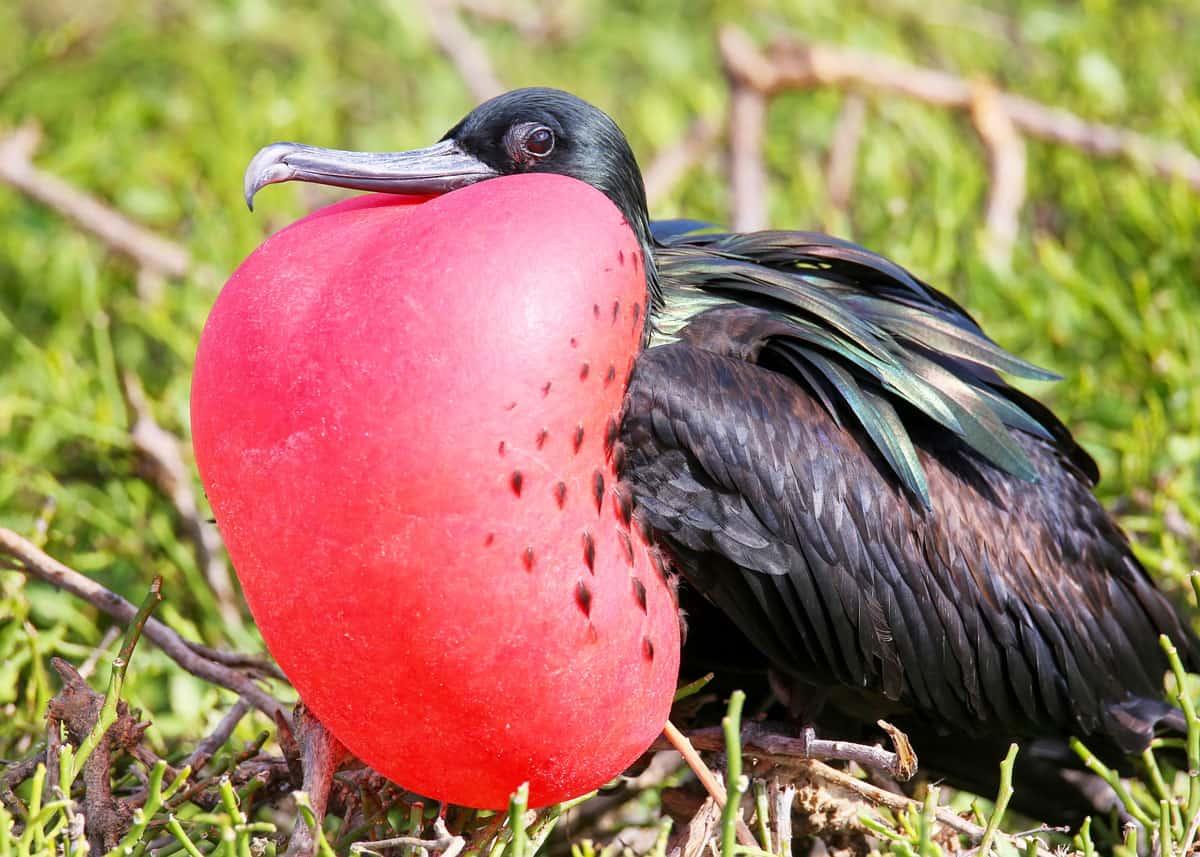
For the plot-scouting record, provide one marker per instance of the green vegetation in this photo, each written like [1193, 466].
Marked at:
[156, 105]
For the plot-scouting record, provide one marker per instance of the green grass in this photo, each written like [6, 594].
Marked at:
[156, 107]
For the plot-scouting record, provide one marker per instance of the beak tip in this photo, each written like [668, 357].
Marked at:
[269, 166]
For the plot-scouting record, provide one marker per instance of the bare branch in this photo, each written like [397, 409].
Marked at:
[161, 461]
[44, 567]
[775, 743]
[672, 163]
[147, 250]
[786, 756]
[215, 740]
[692, 840]
[15, 774]
[747, 173]
[107, 640]
[443, 843]
[843, 152]
[257, 665]
[745, 63]
[798, 64]
[544, 24]
[678, 741]
[459, 46]
[1006, 167]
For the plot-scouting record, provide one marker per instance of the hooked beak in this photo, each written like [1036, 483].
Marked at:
[440, 168]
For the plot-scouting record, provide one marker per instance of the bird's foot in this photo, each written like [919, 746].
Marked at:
[320, 755]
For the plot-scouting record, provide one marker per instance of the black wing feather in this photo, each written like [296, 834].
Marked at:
[1008, 605]
[893, 341]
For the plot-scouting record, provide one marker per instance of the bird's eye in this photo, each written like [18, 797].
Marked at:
[540, 142]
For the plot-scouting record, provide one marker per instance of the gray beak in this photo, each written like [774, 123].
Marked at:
[437, 169]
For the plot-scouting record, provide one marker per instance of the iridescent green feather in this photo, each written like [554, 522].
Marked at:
[863, 334]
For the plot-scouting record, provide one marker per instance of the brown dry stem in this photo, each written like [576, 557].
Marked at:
[835, 796]
[842, 162]
[32, 560]
[707, 778]
[672, 163]
[1002, 120]
[150, 252]
[692, 840]
[747, 172]
[77, 707]
[161, 463]
[460, 46]
[1006, 169]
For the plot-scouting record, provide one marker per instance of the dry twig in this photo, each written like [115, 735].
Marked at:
[160, 456]
[774, 743]
[149, 251]
[1001, 119]
[547, 24]
[216, 739]
[691, 841]
[712, 785]
[77, 707]
[843, 152]
[672, 163]
[797, 64]
[747, 172]
[259, 666]
[34, 561]
[15, 774]
[786, 759]
[1006, 167]
[443, 842]
[459, 46]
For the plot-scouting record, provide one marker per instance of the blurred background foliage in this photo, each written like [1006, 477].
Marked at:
[156, 107]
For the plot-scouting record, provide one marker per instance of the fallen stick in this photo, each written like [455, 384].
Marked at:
[149, 251]
[712, 785]
[215, 740]
[34, 561]
[747, 172]
[1006, 170]
[672, 163]
[842, 161]
[459, 46]
[789, 764]
[536, 24]
[799, 64]
[161, 463]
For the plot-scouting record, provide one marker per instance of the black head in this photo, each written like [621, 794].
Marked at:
[523, 131]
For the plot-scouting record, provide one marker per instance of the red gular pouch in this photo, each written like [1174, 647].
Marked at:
[403, 413]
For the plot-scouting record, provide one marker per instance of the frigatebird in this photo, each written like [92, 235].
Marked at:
[825, 449]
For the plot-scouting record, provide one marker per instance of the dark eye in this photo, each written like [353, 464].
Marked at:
[540, 142]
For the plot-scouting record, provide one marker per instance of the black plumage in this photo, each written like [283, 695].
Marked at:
[1010, 605]
[826, 449]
